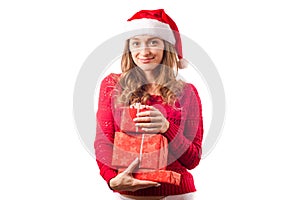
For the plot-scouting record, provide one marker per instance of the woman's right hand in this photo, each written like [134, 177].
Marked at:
[125, 181]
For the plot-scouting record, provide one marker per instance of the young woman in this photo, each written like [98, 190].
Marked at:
[150, 62]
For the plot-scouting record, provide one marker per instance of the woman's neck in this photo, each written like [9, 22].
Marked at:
[153, 89]
[149, 76]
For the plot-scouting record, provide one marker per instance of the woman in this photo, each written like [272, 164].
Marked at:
[151, 59]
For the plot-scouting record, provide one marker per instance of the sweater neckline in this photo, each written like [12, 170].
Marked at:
[155, 97]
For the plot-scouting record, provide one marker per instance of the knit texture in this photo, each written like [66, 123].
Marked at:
[184, 136]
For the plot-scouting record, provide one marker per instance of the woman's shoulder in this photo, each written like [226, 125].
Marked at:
[189, 88]
[111, 79]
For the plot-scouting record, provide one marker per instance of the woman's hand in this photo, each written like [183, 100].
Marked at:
[125, 181]
[152, 121]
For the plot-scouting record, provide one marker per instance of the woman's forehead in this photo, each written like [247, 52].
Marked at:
[145, 37]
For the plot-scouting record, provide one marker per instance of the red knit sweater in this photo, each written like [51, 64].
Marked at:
[184, 137]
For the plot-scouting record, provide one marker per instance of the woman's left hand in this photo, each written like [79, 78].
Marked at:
[152, 121]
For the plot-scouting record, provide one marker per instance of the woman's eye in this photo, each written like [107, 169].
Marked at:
[135, 44]
[153, 43]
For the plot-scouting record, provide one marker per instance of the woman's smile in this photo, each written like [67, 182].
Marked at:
[146, 60]
[146, 51]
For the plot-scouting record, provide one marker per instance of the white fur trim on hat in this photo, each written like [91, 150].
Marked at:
[150, 27]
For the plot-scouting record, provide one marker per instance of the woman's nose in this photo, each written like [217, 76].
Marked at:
[144, 50]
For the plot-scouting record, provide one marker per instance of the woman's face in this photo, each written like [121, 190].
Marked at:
[146, 51]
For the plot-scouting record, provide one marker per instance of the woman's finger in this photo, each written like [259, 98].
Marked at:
[148, 119]
[148, 125]
[132, 166]
[145, 113]
[143, 183]
[149, 113]
[152, 108]
[142, 119]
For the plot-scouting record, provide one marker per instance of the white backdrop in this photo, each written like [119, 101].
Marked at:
[255, 46]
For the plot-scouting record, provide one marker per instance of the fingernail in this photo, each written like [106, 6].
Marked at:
[157, 185]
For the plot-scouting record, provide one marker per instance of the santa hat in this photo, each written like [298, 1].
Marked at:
[156, 23]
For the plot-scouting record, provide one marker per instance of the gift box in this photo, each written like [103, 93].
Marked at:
[151, 149]
[127, 123]
[162, 176]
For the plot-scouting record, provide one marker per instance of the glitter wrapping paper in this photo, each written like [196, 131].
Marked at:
[151, 149]
[162, 176]
[127, 123]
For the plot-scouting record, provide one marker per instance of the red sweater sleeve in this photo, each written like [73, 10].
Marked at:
[186, 139]
[105, 130]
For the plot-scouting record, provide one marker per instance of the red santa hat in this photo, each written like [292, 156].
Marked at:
[156, 23]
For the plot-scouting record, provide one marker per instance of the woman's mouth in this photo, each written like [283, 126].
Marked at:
[145, 60]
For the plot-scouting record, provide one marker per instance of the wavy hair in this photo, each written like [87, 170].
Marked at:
[133, 86]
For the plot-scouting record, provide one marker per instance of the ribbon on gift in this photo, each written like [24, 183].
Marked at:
[152, 149]
[143, 137]
[141, 147]
[138, 111]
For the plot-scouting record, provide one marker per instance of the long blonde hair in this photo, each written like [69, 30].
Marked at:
[133, 86]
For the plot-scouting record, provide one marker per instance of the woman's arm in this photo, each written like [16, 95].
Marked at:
[103, 143]
[187, 140]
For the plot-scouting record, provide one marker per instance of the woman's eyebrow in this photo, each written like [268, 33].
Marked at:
[151, 38]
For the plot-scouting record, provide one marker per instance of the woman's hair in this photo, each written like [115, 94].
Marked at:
[132, 85]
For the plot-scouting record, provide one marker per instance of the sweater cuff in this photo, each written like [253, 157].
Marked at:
[107, 173]
[177, 141]
[109, 177]
[172, 131]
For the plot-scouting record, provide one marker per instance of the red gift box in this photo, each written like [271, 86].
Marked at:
[162, 176]
[151, 149]
[127, 123]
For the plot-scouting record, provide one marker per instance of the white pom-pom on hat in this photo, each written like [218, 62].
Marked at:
[184, 63]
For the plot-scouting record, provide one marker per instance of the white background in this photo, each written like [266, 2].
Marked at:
[255, 46]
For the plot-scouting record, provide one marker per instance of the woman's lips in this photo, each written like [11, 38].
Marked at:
[145, 60]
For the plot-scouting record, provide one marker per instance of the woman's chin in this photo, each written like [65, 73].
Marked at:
[148, 66]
